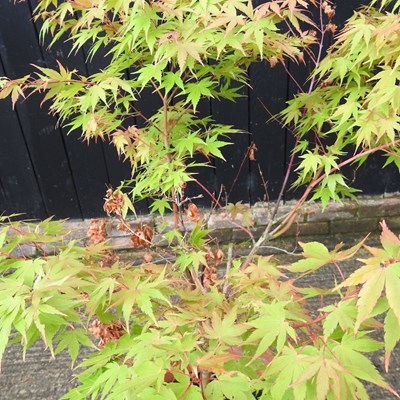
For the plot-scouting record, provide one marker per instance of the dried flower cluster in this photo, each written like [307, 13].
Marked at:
[192, 213]
[328, 9]
[124, 227]
[97, 232]
[106, 332]
[109, 259]
[213, 258]
[114, 202]
[142, 236]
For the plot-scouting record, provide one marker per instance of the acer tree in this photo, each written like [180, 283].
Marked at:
[172, 327]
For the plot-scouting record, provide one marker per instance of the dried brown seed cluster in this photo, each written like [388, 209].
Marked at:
[142, 236]
[252, 150]
[328, 10]
[109, 259]
[106, 332]
[124, 227]
[192, 212]
[273, 61]
[213, 258]
[114, 202]
[331, 27]
[148, 257]
[97, 231]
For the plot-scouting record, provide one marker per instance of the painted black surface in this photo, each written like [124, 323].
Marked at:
[44, 171]
[268, 92]
[19, 48]
[232, 174]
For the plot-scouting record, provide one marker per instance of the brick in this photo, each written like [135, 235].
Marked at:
[379, 207]
[332, 212]
[165, 224]
[239, 235]
[360, 225]
[121, 242]
[222, 235]
[262, 213]
[24, 250]
[112, 230]
[222, 221]
[392, 222]
[78, 228]
[308, 228]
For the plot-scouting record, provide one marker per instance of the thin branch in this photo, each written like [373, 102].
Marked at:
[243, 228]
[228, 267]
[321, 46]
[239, 171]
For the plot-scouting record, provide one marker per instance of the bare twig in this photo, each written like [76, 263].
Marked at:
[243, 228]
[228, 267]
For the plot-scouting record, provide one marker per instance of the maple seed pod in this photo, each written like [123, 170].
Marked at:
[124, 227]
[329, 11]
[273, 61]
[331, 27]
[148, 258]
[106, 332]
[114, 202]
[219, 256]
[142, 236]
[192, 212]
[97, 231]
[252, 150]
[183, 185]
[109, 259]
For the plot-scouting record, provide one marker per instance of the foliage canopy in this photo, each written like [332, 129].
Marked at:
[174, 327]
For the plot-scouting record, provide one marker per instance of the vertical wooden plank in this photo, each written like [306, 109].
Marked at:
[269, 86]
[21, 193]
[205, 175]
[44, 141]
[269, 91]
[233, 174]
[371, 178]
[298, 74]
[86, 161]
[148, 103]
[118, 170]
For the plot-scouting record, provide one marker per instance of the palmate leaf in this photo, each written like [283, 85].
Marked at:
[358, 366]
[230, 387]
[272, 326]
[225, 329]
[380, 272]
[289, 367]
[72, 339]
[140, 293]
[316, 255]
[390, 242]
[392, 336]
[374, 278]
[343, 314]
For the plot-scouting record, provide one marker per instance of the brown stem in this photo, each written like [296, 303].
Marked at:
[243, 228]
[239, 171]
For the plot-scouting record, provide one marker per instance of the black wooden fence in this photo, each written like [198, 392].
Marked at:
[44, 172]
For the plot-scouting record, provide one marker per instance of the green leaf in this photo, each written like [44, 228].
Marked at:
[271, 326]
[225, 329]
[316, 254]
[343, 314]
[392, 336]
